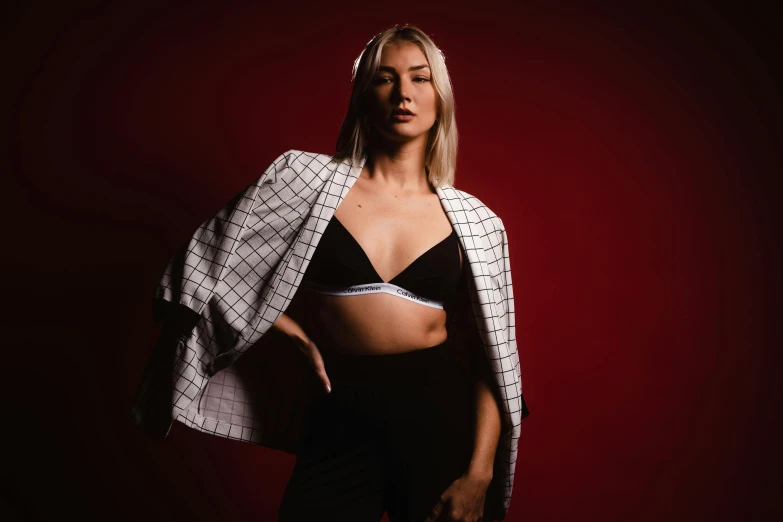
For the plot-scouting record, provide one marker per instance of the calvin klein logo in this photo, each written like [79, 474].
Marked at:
[412, 296]
[359, 290]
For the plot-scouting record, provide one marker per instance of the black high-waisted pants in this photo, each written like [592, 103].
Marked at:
[393, 434]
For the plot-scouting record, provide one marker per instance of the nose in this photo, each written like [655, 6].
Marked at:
[401, 92]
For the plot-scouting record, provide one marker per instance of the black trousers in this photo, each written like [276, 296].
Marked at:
[393, 434]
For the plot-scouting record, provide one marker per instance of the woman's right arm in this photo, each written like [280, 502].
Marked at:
[289, 327]
[296, 333]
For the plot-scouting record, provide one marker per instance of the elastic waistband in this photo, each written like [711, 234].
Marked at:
[371, 288]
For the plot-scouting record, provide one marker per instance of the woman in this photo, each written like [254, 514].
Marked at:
[376, 268]
[389, 238]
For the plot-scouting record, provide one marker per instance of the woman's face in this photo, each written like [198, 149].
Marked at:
[403, 81]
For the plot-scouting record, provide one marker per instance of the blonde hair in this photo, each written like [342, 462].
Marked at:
[440, 159]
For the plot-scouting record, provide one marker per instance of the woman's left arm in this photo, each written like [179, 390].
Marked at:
[487, 411]
[465, 498]
[488, 424]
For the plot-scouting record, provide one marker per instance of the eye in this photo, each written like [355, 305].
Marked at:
[424, 79]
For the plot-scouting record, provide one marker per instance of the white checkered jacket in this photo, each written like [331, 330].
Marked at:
[223, 290]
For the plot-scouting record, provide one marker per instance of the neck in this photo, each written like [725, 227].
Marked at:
[399, 165]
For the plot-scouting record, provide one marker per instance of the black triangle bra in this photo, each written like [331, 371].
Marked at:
[340, 266]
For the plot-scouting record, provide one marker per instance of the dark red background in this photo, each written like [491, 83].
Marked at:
[633, 153]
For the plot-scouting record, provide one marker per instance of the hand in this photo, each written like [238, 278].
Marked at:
[462, 501]
[308, 348]
[294, 331]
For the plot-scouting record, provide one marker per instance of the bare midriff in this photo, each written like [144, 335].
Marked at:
[374, 323]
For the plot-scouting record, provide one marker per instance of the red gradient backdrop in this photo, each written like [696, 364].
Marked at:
[634, 154]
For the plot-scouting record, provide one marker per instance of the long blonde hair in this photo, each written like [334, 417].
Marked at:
[440, 159]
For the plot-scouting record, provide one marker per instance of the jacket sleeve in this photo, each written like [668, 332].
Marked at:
[507, 291]
[192, 275]
[230, 254]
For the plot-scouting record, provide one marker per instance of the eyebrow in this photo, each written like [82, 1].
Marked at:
[392, 69]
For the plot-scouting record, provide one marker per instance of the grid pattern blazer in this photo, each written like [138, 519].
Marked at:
[222, 291]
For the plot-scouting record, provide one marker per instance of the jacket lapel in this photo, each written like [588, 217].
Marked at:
[466, 223]
[463, 220]
[339, 178]
[336, 188]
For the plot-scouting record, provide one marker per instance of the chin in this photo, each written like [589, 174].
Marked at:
[402, 134]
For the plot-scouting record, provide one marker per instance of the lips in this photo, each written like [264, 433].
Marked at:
[403, 112]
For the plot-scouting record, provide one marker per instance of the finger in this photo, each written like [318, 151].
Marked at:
[320, 366]
[435, 513]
